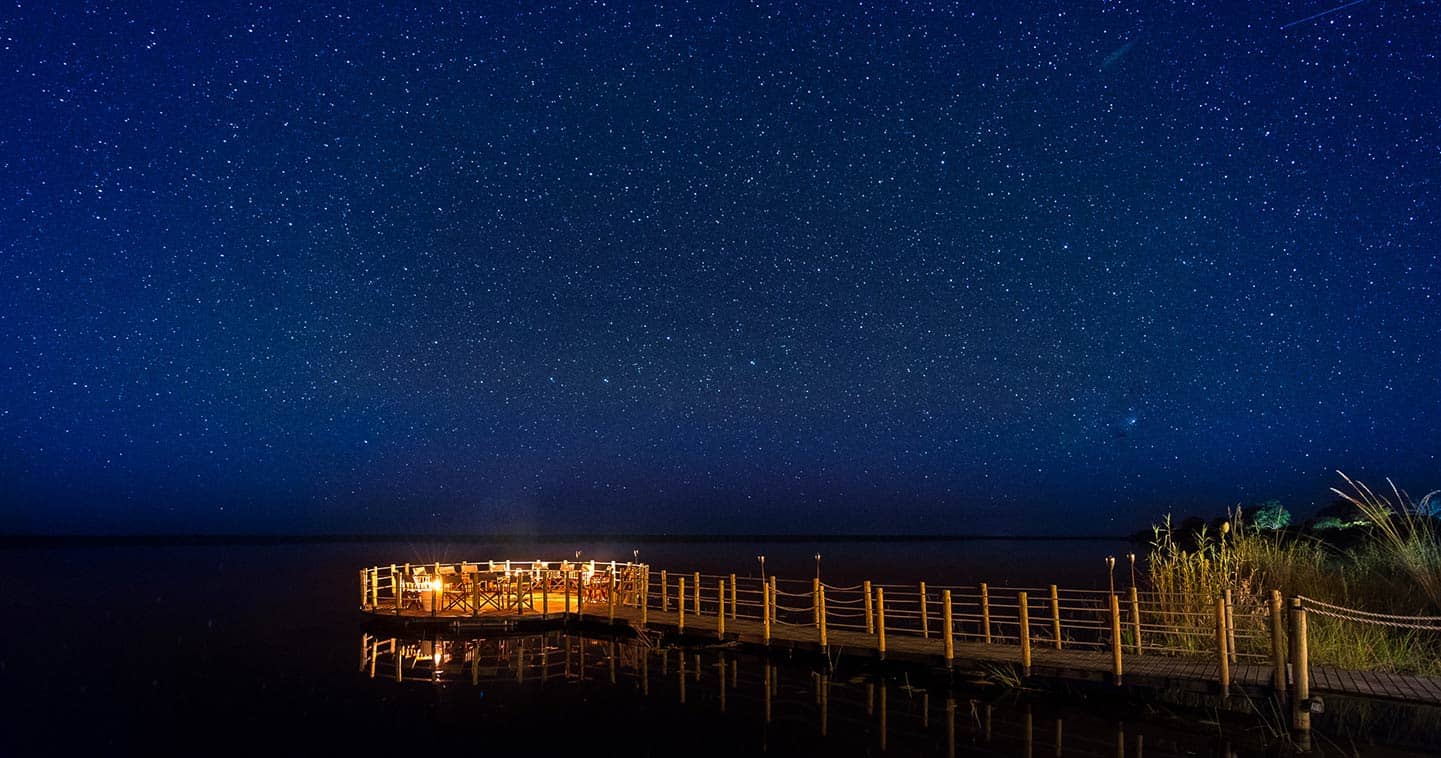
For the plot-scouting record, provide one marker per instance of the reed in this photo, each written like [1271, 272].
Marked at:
[1396, 569]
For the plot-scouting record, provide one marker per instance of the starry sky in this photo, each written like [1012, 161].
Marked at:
[712, 267]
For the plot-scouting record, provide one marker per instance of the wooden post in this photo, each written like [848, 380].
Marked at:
[1300, 669]
[773, 599]
[946, 626]
[870, 620]
[1116, 637]
[1023, 606]
[664, 598]
[680, 606]
[720, 609]
[821, 613]
[1278, 645]
[580, 599]
[397, 589]
[374, 587]
[398, 581]
[925, 614]
[544, 592]
[816, 602]
[565, 587]
[612, 598]
[733, 595]
[985, 613]
[1230, 626]
[696, 576]
[1056, 615]
[1136, 618]
[364, 587]
[1222, 657]
[881, 620]
[766, 601]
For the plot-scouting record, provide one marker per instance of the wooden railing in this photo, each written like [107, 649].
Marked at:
[1123, 624]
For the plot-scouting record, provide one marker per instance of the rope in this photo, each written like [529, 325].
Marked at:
[1422, 623]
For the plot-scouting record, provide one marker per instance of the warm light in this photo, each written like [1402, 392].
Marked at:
[436, 585]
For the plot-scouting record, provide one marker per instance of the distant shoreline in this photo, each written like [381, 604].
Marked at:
[157, 540]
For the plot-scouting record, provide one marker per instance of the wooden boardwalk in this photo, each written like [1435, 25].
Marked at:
[1076, 665]
[1071, 635]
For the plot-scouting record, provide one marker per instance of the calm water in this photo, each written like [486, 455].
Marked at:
[243, 649]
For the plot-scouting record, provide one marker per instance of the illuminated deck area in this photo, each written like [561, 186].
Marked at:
[497, 591]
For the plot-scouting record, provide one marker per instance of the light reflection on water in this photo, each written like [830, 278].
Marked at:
[720, 699]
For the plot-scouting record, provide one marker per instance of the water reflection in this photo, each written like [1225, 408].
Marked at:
[716, 696]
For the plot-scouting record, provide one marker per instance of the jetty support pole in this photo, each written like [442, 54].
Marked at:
[1056, 615]
[821, 614]
[733, 595]
[1116, 637]
[766, 601]
[1278, 645]
[720, 611]
[816, 602]
[947, 627]
[1024, 610]
[645, 596]
[364, 587]
[773, 599]
[881, 621]
[580, 597]
[680, 606]
[565, 587]
[925, 614]
[985, 613]
[696, 592]
[544, 593]
[870, 611]
[1300, 669]
[1222, 657]
[664, 598]
[1136, 618]
[612, 598]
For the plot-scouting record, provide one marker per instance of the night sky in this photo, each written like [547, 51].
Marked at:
[712, 267]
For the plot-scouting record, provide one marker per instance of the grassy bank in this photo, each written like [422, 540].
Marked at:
[1383, 556]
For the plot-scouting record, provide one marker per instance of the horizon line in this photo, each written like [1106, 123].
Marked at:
[202, 539]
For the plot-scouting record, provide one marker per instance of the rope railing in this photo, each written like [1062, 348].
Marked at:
[1420, 623]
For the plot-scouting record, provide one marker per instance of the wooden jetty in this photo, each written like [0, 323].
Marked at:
[1131, 637]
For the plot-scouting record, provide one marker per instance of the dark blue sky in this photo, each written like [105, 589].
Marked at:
[712, 266]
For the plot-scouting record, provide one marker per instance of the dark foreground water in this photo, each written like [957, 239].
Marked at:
[261, 650]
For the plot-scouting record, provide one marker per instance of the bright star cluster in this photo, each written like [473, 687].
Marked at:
[705, 266]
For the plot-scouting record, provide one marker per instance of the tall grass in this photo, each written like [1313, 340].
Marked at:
[1396, 569]
[1405, 535]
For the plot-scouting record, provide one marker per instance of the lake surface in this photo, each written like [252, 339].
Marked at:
[261, 648]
